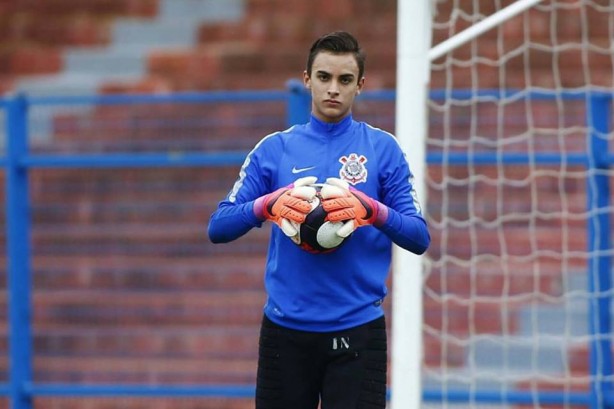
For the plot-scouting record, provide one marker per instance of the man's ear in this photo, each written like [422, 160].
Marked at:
[361, 83]
[306, 80]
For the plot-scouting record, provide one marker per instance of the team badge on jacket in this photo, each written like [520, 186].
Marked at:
[353, 168]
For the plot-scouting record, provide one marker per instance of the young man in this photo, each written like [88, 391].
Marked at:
[323, 335]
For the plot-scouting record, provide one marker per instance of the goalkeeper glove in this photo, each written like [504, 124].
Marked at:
[344, 203]
[287, 204]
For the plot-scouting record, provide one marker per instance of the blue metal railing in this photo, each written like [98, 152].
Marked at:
[18, 254]
[20, 387]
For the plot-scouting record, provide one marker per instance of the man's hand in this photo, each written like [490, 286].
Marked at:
[289, 203]
[344, 203]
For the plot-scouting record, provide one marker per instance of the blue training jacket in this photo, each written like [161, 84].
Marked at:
[344, 288]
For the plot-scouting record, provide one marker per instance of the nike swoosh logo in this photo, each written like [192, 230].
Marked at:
[296, 170]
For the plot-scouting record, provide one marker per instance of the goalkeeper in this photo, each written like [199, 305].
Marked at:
[323, 334]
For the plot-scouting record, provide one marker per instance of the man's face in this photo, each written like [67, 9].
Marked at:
[334, 84]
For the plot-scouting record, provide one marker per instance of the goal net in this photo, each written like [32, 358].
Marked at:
[517, 280]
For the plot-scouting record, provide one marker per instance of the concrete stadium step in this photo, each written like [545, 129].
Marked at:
[140, 402]
[151, 272]
[190, 242]
[142, 8]
[155, 210]
[486, 241]
[101, 232]
[67, 22]
[462, 379]
[123, 47]
[580, 359]
[544, 355]
[30, 60]
[567, 317]
[148, 195]
[71, 215]
[462, 317]
[209, 10]
[566, 314]
[487, 280]
[132, 40]
[130, 182]
[152, 127]
[225, 341]
[35, 45]
[164, 371]
[176, 23]
[109, 308]
[104, 62]
[65, 84]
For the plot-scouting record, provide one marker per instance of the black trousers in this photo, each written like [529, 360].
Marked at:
[339, 370]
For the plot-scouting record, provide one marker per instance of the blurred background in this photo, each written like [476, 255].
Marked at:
[126, 288]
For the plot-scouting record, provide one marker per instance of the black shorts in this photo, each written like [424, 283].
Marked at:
[344, 369]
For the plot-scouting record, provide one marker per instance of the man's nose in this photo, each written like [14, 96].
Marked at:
[333, 89]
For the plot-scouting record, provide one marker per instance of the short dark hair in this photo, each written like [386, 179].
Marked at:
[338, 42]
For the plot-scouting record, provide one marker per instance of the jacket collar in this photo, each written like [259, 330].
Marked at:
[331, 128]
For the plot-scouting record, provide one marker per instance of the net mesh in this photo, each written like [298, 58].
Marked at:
[506, 296]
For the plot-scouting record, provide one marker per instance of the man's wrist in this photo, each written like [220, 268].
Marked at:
[259, 208]
[382, 214]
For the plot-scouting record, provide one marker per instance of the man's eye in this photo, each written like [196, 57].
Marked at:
[322, 77]
[346, 80]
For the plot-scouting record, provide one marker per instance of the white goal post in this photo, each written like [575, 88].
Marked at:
[413, 44]
[414, 55]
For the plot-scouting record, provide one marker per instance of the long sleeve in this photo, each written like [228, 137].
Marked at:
[231, 221]
[405, 225]
[408, 232]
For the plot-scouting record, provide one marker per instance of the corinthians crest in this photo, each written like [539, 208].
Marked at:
[353, 170]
